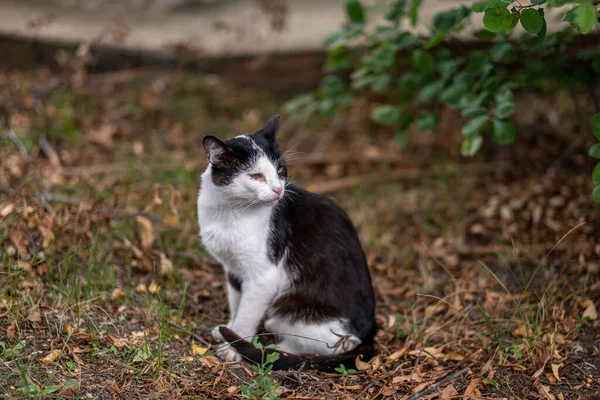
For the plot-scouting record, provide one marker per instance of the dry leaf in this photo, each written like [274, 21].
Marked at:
[145, 231]
[545, 391]
[141, 288]
[6, 209]
[197, 350]
[10, 331]
[166, 266]
[397, 354]
[34, 316]
[103, 135]
[454, 356]
[555, 368]
[47, 234]
[427, 352]
[473, 388]
[153, 287]
[51, 357]
[522, 331]
[118, 293]
[360, 364]
[118, 343]
[449, 392]
[210, 361]
[590, 311]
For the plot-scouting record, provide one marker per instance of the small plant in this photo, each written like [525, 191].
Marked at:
[516, 350]
[9, 352]
[263, 386]
[345, 371]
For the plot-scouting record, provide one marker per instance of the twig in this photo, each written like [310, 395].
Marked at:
[400, 174]
[17, 142]
[439, 385]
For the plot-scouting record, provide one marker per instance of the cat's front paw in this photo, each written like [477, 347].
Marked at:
[216, 334]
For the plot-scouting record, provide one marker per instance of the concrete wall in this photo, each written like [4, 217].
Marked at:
[203, 27]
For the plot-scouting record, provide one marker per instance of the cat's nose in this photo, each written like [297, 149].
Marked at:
[278, 190]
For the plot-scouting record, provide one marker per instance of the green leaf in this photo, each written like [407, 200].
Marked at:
[400, 138]
[595, 151]
[256, 343]
[475, 125]
[490, 381]
[272, 357]
[423, 61]
[355, 11]
[596, 175]
[542, 32]
[503, 131]
[453, 93]
[596, 125]
[596, 193]
[497, 19]
[413, 12]
[482, 6]
[501, 50]
[431, 92]
[513, 23]
[386, 115]
[537, 2]
[70, 384]
[51, 389]
[503, 110]
[472, 112]
[427, 122]
[585, 17]
[471, 145]
[531, 20]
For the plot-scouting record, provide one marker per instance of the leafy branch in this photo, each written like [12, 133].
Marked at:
[480, 83]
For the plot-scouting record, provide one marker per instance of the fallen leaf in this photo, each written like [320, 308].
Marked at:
[103, 135]
[118, 293]
[210, 361]
[232, 389]
[153, 287]
[51, 357]
[145, 231]
[141, 288]
[454, 356]
[197, 350]
[397, 354]
[590, 311]
[118, 343]
[449, 392]
[555, 368]
[360, 364]
[522, 331]
[34, 316]
[6, 209]
[545, 391]
[10, 331]
[473, 388]
[166, 266]
[427, 352]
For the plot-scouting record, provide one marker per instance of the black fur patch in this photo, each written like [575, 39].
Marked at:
[241, 153]
[325, 256]
[234, 281]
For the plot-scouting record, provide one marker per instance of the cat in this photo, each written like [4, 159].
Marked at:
[291, 257]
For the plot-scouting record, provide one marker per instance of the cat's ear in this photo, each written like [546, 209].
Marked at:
[269, 131]
[215, 149]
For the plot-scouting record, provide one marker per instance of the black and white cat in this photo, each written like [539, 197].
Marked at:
[290, 256]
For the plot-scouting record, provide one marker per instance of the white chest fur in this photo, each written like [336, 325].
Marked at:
[236, 238]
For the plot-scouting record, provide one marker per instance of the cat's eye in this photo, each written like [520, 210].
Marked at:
[258, 177]
[280, 170]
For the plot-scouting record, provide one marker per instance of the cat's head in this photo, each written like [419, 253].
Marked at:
[248, 169]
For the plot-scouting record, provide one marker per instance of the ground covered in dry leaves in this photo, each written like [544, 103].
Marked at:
[486, 270]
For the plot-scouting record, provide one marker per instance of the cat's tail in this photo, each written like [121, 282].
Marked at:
[297, 361]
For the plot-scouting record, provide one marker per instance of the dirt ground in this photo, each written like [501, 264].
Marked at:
[486, 270]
